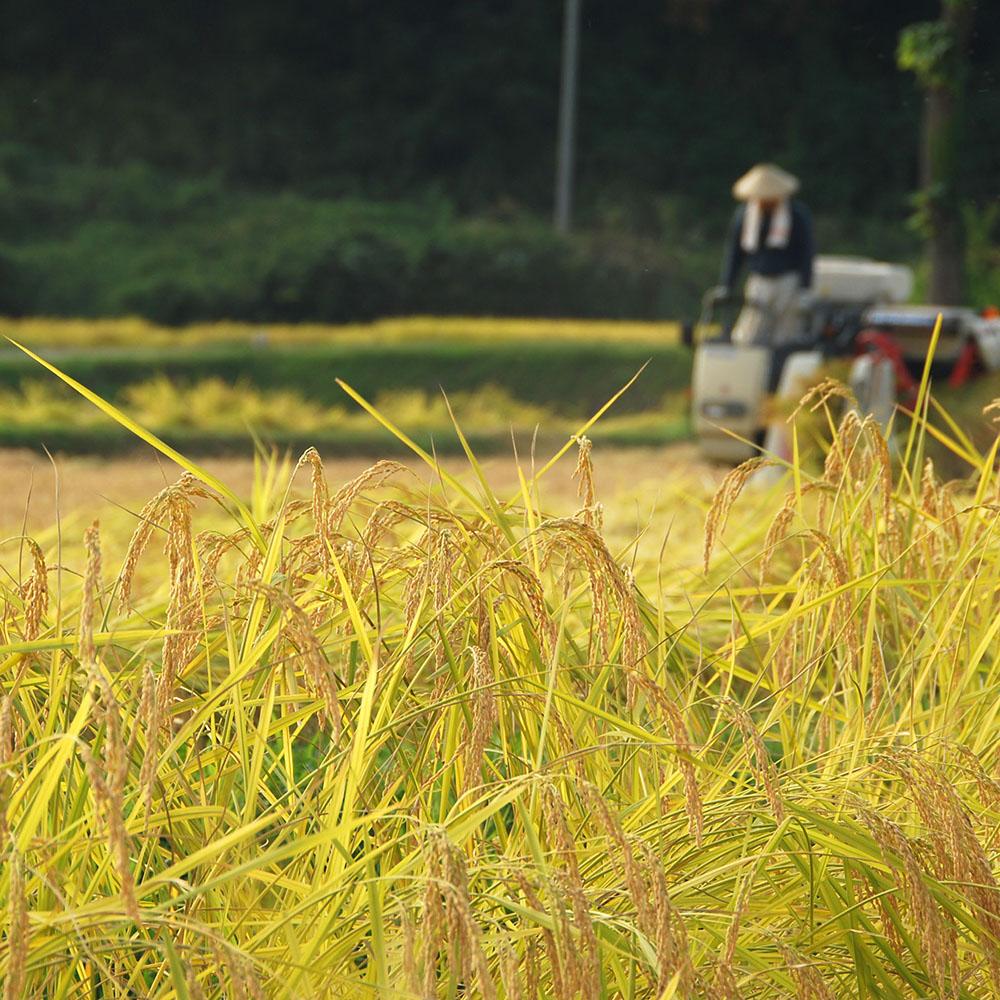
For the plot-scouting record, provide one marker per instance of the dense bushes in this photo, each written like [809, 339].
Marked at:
[100, 242]
[92, 241]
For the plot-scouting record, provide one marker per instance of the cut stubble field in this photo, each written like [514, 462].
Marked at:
[643, 487]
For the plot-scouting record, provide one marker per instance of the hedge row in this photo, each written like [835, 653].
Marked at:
[570, 378]
[115, 440]
[92, 241]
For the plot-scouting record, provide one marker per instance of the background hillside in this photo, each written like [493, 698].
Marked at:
[297, 161]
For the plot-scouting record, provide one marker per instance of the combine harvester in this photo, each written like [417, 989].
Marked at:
[858, 313]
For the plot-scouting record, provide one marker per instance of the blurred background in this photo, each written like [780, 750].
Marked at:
[274, 165]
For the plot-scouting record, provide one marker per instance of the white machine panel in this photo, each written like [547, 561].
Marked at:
[858, 279]
[729, 383]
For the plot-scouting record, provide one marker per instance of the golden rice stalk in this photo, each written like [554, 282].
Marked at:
[777, 532]
[17, 930]
[933, 930]
[410, 976]
[635, 879]
[821, 393]
[318, 673]
[108, 800]
[243, 978]
[195, 992]
[149, 718]
[725, 985]
[510, 974]
[669, 935]
[610, 585]
[684, 753]
[843, 449]
[885, 912]
[883, 463]
[558, 989]
[591, 512]
[91, 586]
[532, 978]
[8, 742]
[320, 490]
[448, 917]
[809, 984]
[722, 503]
[786, 655]
[185, 487]
[758, 758]
[878, 680]
[534, 596]
[108, 784]
[371, 478]
[35, 592]
[959, 854]
[844, 621]
[561, 839]
[484, 714]
[988, 787]
[183, 609]
[174, 505]
[320, 504]
[583, 969]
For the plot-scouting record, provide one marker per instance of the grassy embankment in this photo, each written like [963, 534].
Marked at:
[212, 386]
[378, 737]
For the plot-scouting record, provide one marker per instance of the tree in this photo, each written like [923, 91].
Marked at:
[935, 52]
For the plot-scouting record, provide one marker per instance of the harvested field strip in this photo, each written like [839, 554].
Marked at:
[52, 333]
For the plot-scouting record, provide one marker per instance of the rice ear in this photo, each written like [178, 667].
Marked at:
[722, 503]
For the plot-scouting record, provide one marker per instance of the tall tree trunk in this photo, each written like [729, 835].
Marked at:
[939, 161]
[945, 245]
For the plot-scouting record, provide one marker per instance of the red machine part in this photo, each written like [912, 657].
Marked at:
[885, 345]
[964, 366]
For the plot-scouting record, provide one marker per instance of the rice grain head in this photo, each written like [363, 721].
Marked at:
[758, 758]
[449, 909]
[684, 753]
[722, 503]
[934, 932]
[809, 984]
[17, 930]
[591, 512]
[35, 592]
[91, 586]
[484, 715]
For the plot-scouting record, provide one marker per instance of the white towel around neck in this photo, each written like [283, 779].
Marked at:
[778, 232]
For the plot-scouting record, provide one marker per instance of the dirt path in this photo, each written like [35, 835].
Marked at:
[32, 491]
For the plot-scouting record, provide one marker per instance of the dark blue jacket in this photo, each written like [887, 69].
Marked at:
[797, 256]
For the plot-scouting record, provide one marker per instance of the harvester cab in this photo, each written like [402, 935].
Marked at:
[740, 391]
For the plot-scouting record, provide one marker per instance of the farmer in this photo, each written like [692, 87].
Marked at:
[773, 236]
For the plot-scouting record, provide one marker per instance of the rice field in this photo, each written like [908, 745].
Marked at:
[55, 332]
[417, 734]
[239, 413]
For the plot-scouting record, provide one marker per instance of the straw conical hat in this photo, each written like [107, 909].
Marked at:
[765, 181]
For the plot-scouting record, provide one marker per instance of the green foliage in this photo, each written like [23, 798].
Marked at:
[927, 49]
[982, 253]
[105, 242]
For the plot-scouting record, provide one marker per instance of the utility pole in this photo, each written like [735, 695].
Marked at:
[566, 142]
